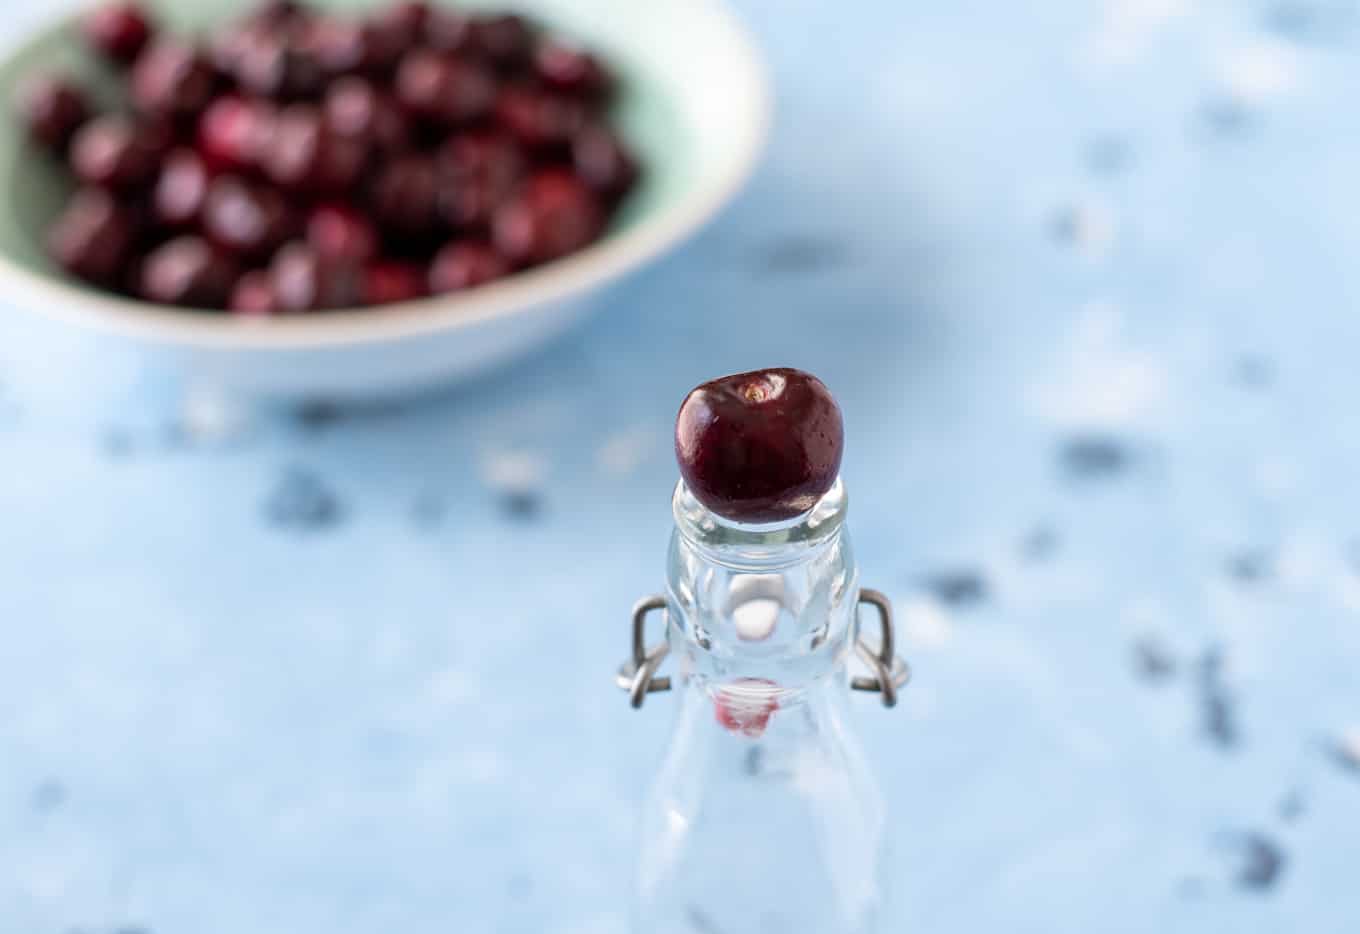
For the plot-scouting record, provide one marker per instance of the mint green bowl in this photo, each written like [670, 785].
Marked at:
[695, 104]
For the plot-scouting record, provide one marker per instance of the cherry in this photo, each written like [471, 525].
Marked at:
[337, 46]
[442, 91]
[117, 31]
[761, 446]
[411, 14]
[552, 215]
[603, 161]
[303, 155]
[253, 294]
[246, 219]
[92, 237]
[52, 109]
[304, 280]
[393, 281]
[504, 39]
[232, 133]
[569, 69]
[480, 171]
[277, 13]
[405, 196]
[339, 230]
[539, 119]
[180, 189]
[464, 264]
[354, 108]
[115, 152]
[450, 32]
[173, 80]
[278, 66]
[188, 271]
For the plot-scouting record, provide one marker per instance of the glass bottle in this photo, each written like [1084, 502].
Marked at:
[765, 816]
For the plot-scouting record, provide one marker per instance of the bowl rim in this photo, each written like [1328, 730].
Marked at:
[566, 278]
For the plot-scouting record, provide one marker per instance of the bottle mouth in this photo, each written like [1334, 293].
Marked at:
[765, 545]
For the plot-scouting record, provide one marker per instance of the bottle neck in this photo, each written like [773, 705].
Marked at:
[761, 619]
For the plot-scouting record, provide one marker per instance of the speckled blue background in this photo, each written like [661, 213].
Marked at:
[1083, 277]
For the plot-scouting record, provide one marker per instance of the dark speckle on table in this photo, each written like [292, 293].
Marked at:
[800, 253]
[49, 795]
[1252, 371]
[1224, 115]
[519, 887]
[428, 510]
[116, 443]
[321, 414]
[1309, 20]
[1190, 887]
[1093, 457]
[301, 501]
[1218, 709]
[1292, 806]
[1108, 154]
[1344, 752]
[1039, 543]
[521, 504]
[959, 587]
[1260, 861]
[1249, 566]
[755, 760]
[700, 922]
[1153, 660]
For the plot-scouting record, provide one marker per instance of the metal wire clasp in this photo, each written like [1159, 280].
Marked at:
[889, 671]
[637, 676]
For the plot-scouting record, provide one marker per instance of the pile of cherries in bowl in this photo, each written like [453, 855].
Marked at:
[296, 160]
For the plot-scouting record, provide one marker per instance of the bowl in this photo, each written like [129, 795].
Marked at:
[695, 104]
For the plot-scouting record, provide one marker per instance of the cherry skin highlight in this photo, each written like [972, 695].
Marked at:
[760, 447]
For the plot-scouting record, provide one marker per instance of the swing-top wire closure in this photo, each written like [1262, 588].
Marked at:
[638, 675]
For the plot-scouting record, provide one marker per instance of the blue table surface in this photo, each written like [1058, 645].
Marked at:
[1082, 275]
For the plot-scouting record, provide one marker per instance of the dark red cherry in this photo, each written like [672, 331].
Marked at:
[552, 215]
[354, 108]
[337, 45]
[304, 280]
[253, 295]
[505, 39]
[245, 218]
[569, 69]
[450, 32]
[391, 281]
[479, 172]
[278, 66]
[92, 237]
[442, 91]
[188, 271]
[539, 119]
[172, 80]
[760, 447]
[603, 161]
[232, 133]
[304, 155]
[52, 109]
[177, 197]
[405, 197]
[277, 13]
[115, 151]
[339, 230]
[118, 31]
[464, 264]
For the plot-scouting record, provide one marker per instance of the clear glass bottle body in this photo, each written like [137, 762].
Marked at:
[765, 816]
